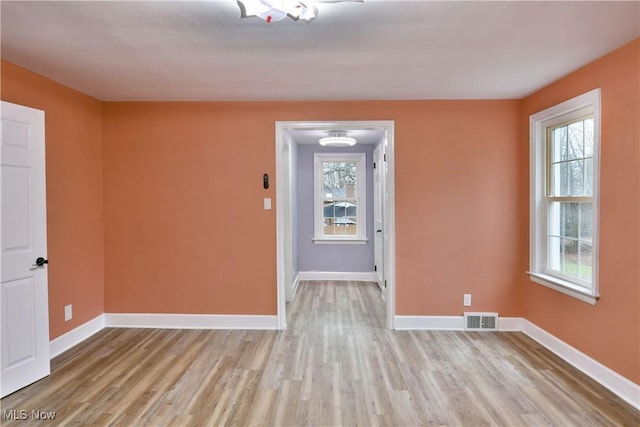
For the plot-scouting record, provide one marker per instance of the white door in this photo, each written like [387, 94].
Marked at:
[24, 317]
[378, 216]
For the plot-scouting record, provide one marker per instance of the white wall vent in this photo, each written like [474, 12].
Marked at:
[480, 321]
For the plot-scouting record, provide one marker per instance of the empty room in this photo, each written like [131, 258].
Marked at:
[320, 213]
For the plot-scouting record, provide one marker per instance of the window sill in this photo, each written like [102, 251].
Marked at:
[564, 287]
[331, 241]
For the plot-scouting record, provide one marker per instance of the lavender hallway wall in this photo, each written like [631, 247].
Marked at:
[329, 257]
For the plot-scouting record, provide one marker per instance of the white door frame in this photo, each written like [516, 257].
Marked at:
[283, 199]
[379, 229]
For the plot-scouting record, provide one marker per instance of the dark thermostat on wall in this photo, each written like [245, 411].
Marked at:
[265, 181]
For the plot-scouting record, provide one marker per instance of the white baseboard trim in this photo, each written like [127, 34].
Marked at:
[433, 323]
[510, 324]
[75, 336]
[190, 321]
[294, 287]
[621, 386]
[364, 276]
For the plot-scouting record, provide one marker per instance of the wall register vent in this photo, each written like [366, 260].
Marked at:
[480, 321]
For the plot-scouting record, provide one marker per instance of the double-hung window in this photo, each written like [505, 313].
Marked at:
[565, 146]
[339, 198]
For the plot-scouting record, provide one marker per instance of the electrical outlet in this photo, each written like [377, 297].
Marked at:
[68, 312]
[467, 300]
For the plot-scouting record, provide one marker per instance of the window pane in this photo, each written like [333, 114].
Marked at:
[588, 138]
[345, 226]
[569, 236]
[569, 257]
[569, 217]
[564, 219]
[345, 208]
[329, 209]
[339, 227]
[575, 144]
[586, 221]
[560, 180]
[576, 177]
[553, 256]
[568, 178]
[350, 227]
[571, 169]
[588, 177]
[339, 179]
[585, 261]
[554, 219]
[329, 228]
[559, 144]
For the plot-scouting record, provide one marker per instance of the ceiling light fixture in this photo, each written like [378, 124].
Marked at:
[277, 10]
[337, 139]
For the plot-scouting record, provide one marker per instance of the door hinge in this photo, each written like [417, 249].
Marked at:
[374, 165]
[375, 268]
[385, 157]
[385, 283]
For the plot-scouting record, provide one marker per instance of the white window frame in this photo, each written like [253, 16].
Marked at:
[588, 103]
[318, 196]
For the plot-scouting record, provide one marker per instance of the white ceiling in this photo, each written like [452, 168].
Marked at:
[203, 51]
[308, 135]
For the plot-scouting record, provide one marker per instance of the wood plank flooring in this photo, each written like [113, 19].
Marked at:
[335, 365]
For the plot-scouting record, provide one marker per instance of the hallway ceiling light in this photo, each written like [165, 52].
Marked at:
[337, 139]
[277, 10]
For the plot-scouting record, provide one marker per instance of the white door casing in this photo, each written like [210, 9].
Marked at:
[389, 221]
[24, 313]
[287, 231]
[378, 216]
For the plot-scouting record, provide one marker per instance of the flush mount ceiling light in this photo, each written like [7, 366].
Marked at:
[337, 139]
[277, 10]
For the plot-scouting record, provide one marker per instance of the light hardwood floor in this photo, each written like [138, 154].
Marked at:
[335, 365]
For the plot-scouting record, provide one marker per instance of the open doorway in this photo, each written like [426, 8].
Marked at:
[379, 139]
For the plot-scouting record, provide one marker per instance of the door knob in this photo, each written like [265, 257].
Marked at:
[40, 262]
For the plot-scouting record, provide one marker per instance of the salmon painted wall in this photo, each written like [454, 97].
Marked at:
[610, 331]
[73, 138]
[185, 231]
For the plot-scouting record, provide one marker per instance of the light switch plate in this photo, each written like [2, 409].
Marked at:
[267, 203]
[68, 312]
[467, 300]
